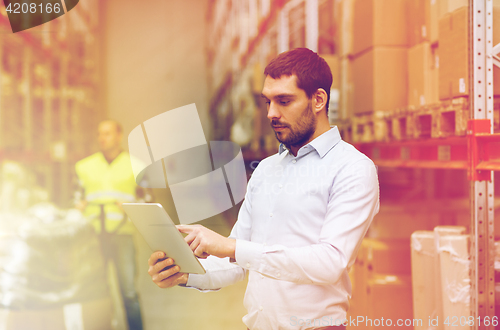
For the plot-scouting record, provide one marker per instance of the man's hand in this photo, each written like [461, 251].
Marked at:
[204, 242]
[164, 272]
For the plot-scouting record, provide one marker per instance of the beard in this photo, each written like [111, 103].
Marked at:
[299, 133]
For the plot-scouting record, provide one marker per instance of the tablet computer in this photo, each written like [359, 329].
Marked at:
[159, 231]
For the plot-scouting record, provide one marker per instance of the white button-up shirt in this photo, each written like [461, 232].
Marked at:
[298, 233]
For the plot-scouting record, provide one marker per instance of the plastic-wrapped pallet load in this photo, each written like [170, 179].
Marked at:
[455, 281]
[423, 255]
[440, 231]
[52, 273]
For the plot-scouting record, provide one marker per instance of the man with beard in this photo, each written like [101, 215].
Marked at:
[305, 213]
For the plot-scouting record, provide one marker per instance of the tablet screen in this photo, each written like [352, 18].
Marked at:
[159, 231]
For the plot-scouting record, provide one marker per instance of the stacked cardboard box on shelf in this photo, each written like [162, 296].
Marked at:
[454, 65]
[333, 63]
[345, 50]
[423, 16]
[377, 79]
[395, 54]
[381, 283]
[423, 74]
[448, 6]
[425, 45]
[453, 40]
[379, 55]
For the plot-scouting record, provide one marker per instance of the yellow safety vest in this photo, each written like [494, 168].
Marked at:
[106, 183]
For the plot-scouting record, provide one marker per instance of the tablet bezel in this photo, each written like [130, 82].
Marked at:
[160, 233]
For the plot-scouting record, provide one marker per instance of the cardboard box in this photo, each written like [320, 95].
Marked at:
[390, 298]
[423, 255]
[380, 80]
[455, 280]
[358, 305]
[434, 16]
[88, 315]
[418, 21]
[419, 74]
[346, 106]
[378, 256]
[448, 6]
[423, 63]
[382, 267]
[454, 57]
[346, 27]
[434, 73]
[423, 21]
[379, 23]
[387, 256]
[334, 64]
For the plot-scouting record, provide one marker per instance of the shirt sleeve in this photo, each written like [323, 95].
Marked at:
[352, 203]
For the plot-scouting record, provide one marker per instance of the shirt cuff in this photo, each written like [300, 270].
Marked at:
[196, 281]
[248, 254]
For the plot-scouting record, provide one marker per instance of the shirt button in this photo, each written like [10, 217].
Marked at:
[261, 308]
[281, 186]
[248, 265]
[278, 275]
[262, 276]
[294, 161]
[271, 215]
[265, 244]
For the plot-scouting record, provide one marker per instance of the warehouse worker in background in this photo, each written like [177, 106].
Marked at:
[107, 181]
[305, 213]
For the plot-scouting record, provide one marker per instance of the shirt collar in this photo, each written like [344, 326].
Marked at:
[282, 148]
[323, 143]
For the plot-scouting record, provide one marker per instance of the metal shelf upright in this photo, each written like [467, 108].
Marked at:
[482, 248]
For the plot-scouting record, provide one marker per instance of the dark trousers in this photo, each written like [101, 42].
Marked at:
[122, 252]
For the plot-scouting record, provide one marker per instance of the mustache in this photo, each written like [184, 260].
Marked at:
[276, 123]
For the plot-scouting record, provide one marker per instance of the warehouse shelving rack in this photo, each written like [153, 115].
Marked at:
[455, 134]
[478, 152]
[49, 96]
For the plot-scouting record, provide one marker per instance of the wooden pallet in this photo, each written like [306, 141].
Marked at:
[442, 119]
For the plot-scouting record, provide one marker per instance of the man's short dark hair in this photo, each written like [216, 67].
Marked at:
[311, 70]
